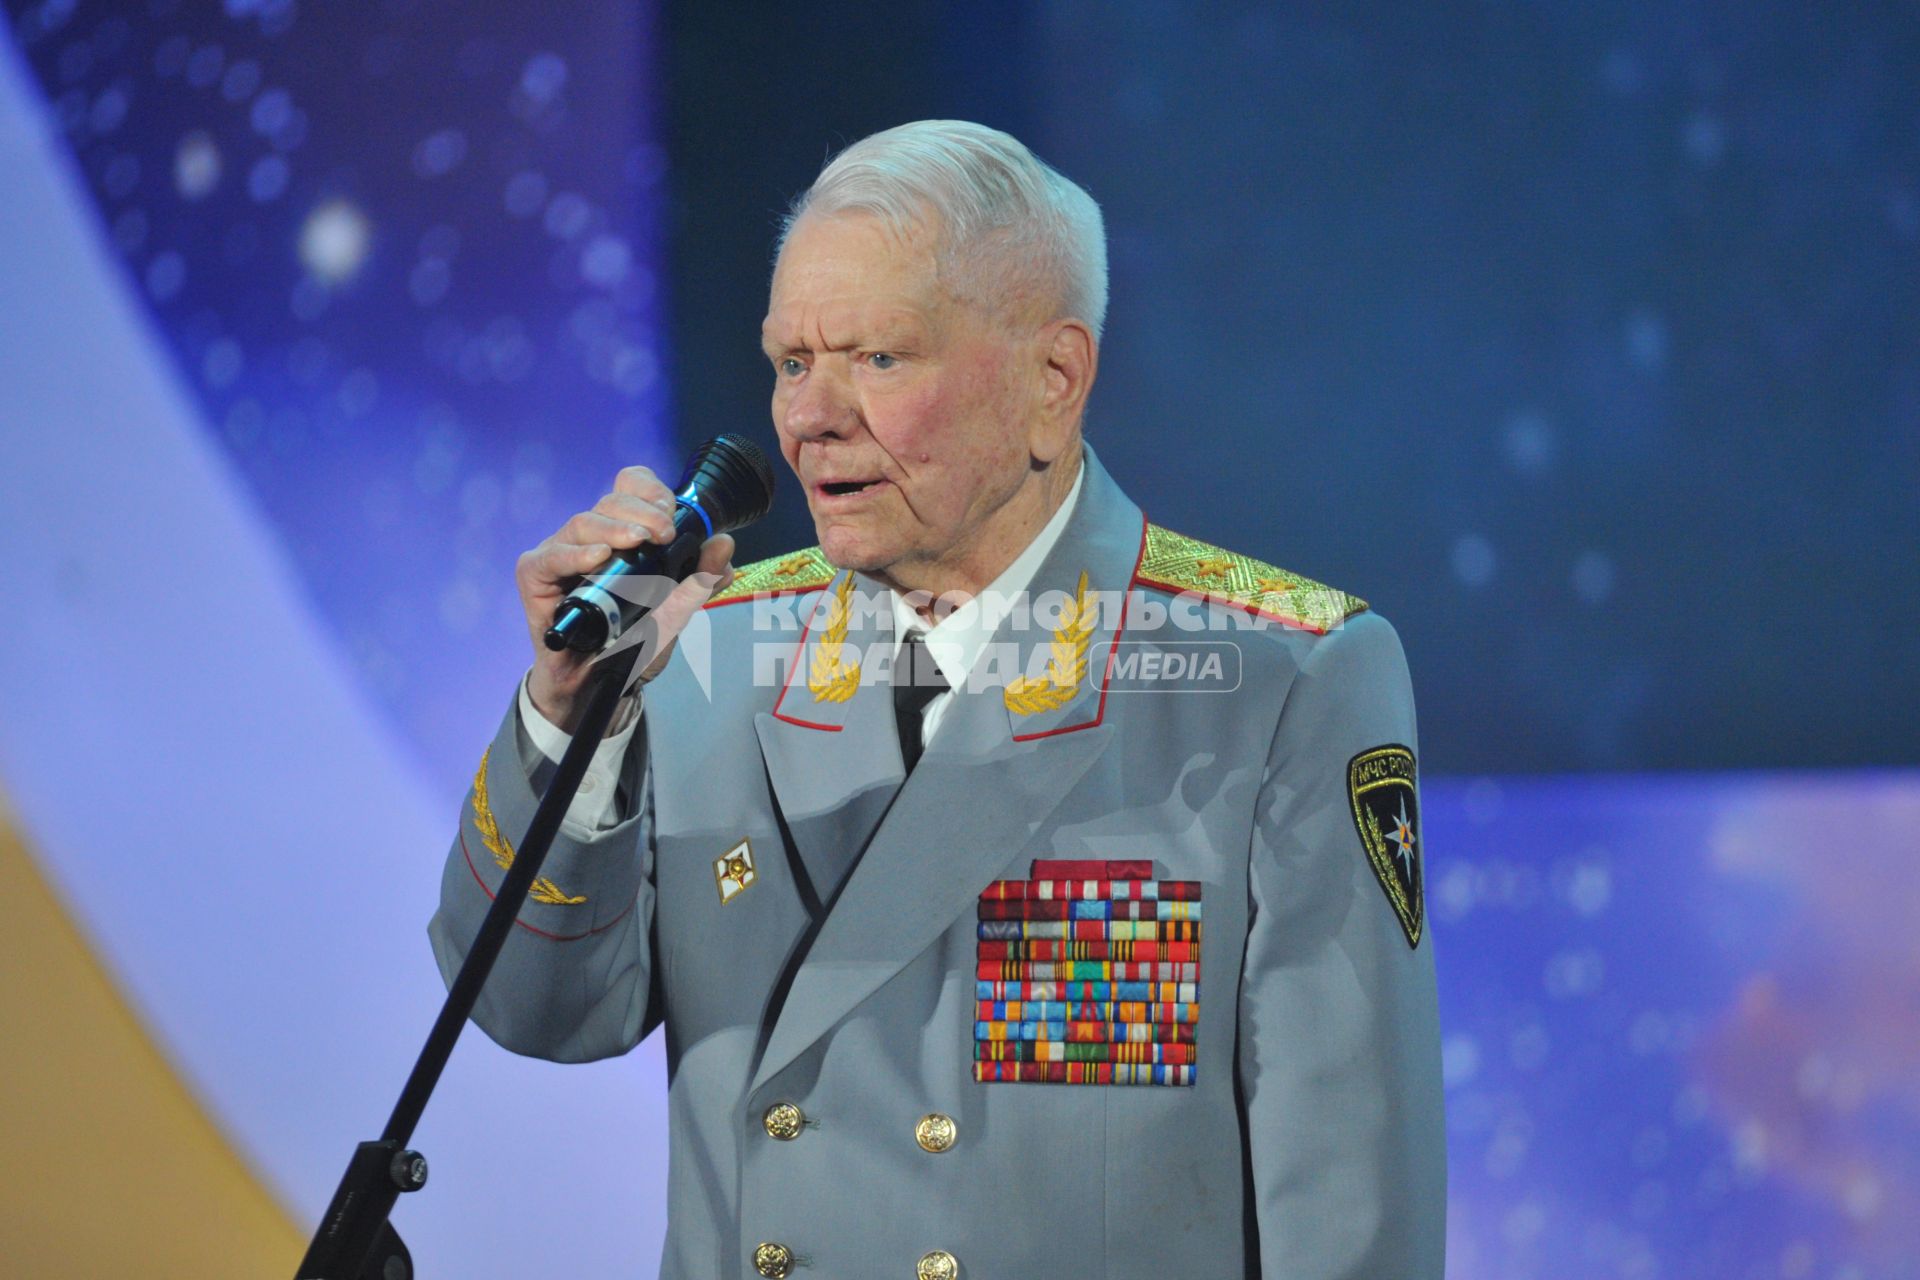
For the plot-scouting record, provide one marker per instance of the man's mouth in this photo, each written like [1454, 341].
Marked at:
[842, 488]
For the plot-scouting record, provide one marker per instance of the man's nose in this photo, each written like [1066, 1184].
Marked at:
[821, 406]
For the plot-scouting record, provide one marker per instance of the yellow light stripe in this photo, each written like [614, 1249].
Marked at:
[111, 1167]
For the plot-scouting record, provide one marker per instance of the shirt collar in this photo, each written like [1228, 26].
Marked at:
[956, 642]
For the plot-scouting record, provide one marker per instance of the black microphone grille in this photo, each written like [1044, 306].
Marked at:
[734, 480]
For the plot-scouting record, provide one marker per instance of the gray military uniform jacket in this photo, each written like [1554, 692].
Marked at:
[848, 1098]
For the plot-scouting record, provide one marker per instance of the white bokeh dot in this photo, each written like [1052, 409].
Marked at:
[1589, 887]
[1646, 338]
[1593, 577]
[605, 260]
[270, 112]
[1573, 973]
[1527, 1047]
[439, 153]
[1528, 443]
[1459, 1059]
[109, 110]
[1473, 561]
[568, 215]
[335, 239]
[196, 165]
[544, 76]
[1704, 139]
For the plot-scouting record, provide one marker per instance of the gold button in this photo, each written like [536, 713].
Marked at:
[938, 1265]
[935, 1133]
[774, 1260]
[783, 1121]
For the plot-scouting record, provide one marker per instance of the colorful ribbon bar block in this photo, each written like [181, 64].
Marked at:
[1088, 973]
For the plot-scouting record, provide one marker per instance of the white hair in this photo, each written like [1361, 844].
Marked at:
[1010, 223]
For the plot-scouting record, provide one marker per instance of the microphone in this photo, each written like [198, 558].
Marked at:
[728, 484]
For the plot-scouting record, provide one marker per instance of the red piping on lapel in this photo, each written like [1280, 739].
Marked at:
[794, 666]
[1113, 649]
[552, 937]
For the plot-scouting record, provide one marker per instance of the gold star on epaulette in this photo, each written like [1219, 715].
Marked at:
[1175, 562]
[795, 571]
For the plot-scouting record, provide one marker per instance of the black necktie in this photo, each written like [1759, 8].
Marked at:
[916, 682]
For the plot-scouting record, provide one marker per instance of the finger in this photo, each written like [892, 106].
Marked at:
[618, 531]
[682, 603]
[671, 617]
[716, 557]
[554, 562]
[695, 589]
[640, 482]
[625, 506]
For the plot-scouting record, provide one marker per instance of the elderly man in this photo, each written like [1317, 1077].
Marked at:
[983, 947]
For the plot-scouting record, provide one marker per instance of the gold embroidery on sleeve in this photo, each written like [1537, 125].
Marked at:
[543, 890]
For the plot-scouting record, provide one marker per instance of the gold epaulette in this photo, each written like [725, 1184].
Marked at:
[1175, 562]
[795, 571]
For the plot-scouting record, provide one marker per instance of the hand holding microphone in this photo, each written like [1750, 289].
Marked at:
[578, 587]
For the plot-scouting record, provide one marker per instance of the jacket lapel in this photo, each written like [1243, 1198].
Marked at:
[1005, 756]
[829, 745]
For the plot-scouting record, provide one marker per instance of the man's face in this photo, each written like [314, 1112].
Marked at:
[902, 411]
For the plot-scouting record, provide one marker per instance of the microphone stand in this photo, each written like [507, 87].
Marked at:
[354, 1240]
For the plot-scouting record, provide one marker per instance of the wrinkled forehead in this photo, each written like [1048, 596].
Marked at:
[854, 268]
[857, 243]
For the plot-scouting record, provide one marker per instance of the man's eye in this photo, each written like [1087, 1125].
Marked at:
[791, 367]
[881, 360]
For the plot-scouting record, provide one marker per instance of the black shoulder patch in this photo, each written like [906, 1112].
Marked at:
[1386, 809]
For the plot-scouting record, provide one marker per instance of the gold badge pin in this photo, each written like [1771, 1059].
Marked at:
[733, 871]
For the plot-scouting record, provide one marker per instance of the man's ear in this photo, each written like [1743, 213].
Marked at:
[1071, 358]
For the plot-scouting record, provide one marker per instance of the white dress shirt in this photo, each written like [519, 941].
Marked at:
[955, 643]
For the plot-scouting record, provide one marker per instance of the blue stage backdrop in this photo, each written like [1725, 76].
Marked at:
[407, 259]
[1584, 342]
[1583, 339]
